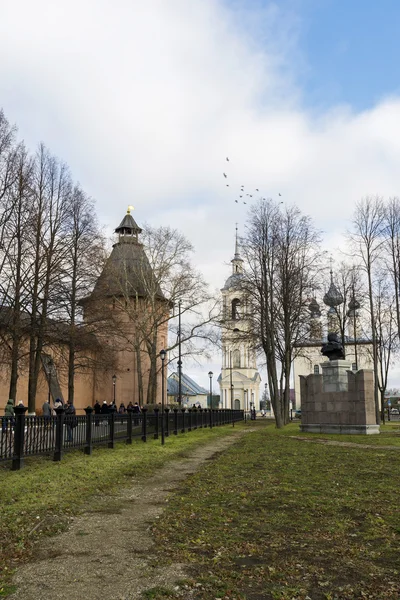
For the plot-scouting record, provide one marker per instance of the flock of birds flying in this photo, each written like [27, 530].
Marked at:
[242, 194]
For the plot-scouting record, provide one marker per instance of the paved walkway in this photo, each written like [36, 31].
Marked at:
[106, 554]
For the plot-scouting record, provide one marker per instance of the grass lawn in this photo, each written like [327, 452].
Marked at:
[41, 498]
[276, 518]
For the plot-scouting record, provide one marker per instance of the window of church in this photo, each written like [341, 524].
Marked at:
[235, 309]
[316, 369]
[236, 358]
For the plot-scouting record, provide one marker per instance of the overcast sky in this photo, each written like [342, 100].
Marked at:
[145, 99]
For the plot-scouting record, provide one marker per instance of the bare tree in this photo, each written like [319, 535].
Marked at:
[350, 287]
[282, 250]
[392, 261]
[386, 336]
[15, 271]
[85, 247]
[367, 239]
[51, 199]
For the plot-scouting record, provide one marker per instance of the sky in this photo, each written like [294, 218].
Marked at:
[145, 100]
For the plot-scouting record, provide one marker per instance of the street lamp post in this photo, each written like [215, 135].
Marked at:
[179, 355]
[162, 356]
[114, 380]
[230, 373]
[210, 374]
[50, 369]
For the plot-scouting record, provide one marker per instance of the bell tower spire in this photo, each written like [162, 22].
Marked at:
[237, 262]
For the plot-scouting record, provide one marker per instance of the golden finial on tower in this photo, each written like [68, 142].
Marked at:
[128, 212]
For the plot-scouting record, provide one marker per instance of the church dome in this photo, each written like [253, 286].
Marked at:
[333, 297]
[354, 304]
[314, 309]
[233, 281]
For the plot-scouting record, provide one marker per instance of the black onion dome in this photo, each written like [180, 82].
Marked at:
[333, 297]
[314, 309]
[354, 304]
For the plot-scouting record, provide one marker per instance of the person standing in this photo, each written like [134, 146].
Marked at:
[8, 415]
[104, 412]
[97, 411]
[136, 411]
[70, 420]
[46, 408]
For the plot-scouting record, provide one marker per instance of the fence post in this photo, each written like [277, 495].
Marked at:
[195, 424]
[129, 425]
[167, 422]
[144, 425]
[111, 423]
[210, 417]
[190, 419]
[89, 418]
[59, 433]
[156, 423]
[19, 438]
[175, 421]
[183, 420]
[201, 418]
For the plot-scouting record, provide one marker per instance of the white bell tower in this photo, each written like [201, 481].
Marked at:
[239, 380]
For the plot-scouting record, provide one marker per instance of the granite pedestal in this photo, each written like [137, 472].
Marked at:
[339, 400]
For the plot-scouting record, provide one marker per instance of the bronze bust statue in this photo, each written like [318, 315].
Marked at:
[333, 349]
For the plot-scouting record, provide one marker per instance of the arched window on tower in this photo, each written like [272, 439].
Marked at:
[236, 359]
[235, 309]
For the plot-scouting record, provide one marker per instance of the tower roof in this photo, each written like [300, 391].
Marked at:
[127, 271]
[237, 267]
[128, 224]
[333, 296]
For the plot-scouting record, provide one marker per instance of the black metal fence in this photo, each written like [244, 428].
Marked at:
[23, 435]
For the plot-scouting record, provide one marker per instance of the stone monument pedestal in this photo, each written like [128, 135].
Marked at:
[334, 375]
[339, 400]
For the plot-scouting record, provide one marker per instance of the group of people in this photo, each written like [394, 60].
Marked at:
[107, 409]
[69, 409]
[48, 411]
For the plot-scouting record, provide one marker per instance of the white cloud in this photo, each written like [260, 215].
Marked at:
[145, 99]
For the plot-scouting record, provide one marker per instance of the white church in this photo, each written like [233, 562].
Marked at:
[239, 380]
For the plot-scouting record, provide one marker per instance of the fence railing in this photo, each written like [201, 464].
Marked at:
[25, 435]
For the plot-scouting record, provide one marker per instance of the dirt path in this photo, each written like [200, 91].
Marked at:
[106, 554]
